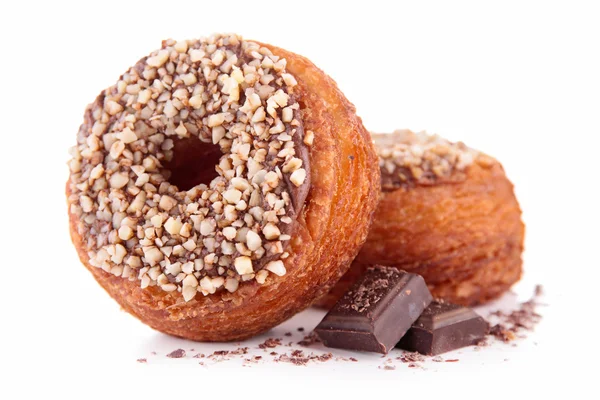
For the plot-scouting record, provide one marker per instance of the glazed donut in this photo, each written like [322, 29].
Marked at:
[210, 187]
[448, 213]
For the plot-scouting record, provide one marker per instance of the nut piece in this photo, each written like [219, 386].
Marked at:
[125, 232]
[271, 231]
[231, 284]
[243, 265]
[189, 292]
[167, 203]
[276, 267]
[159, 59]
[309, 138]
[261, 276]
[298, 176]
[253, 241]
[118, 180]
[173, 226]
[127, 136]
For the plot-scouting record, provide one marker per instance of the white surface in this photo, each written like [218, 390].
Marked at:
[519, 80]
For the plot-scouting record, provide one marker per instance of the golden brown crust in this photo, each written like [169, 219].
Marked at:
[465, 238]
[345, 181]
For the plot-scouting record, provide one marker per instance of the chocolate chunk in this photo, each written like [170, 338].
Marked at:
[376, 312]
[443, 327]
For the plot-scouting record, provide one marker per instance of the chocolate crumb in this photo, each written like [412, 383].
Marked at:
[273, 353]
[309, 340]
[297, 353]
[409, 357]
[220, 353]
[539, 290]
[199, 355]
[353, 359]
[503, 333]
[389, 367]
[253, 360]
[299, 358]
[512, 324]
[288, 334]
[270, 343]
[413, 365]
[300, 329]
[453, 360]
[153, 353]
[179, 353]
[239, 351]
[142, 360]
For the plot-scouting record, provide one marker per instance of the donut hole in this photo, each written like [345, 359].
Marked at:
[193, 163]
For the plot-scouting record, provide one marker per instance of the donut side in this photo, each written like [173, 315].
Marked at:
[464, 236]
[344, 181]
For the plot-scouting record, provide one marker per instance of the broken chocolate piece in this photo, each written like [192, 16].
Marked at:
[444, 327]
[376, 312]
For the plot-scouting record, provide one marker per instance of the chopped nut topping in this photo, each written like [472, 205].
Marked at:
[406, 157]
[221, 90]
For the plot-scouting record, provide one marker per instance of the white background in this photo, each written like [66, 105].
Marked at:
[519, 80]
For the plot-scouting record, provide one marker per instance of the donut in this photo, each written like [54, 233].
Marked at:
[448, 213]
[210, 187]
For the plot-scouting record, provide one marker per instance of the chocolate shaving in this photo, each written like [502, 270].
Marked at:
[514, 324]
[309, 340]
[270, 343]
[299, 358]
[239, 351]
[179, 353]
[408, 357]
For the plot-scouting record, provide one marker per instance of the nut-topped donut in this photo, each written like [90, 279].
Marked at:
[447, 212]
[205, 192]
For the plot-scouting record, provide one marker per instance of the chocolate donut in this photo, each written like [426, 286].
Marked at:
[209, 187]
[448, 213]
